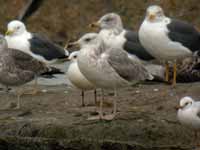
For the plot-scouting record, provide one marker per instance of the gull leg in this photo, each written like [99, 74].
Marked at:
[174, 74]
[100, 116]
[35, 89]
[82, 98]
[166, 72]
[112, 116]
[19, 94]
[95, 96]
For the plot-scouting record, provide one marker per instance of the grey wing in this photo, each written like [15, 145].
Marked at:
[133, 46]
[42, 46]
[126, 67]
[27, 62]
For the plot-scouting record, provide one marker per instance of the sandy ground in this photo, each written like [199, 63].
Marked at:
[146, 116]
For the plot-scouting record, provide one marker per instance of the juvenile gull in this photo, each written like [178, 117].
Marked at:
[107, 68]
[18, 68]
[189, 114]
[77, 78]
[168, 39]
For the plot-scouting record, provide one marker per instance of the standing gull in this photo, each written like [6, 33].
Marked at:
[189, 114]
[18, 68]
[77, 78]
[107, 68]
[33, 44]
[114, 35]
[168, 39]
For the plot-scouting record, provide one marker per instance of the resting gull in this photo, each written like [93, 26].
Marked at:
[107, 68]
[33, 44]
[168, 39]
[77, 78]
[18, 68]
[189, 114]
[114, 35]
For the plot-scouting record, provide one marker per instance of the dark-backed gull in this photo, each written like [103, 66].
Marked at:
[168, 39]
[34, 44]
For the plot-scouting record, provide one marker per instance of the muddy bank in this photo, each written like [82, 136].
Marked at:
[146, 120]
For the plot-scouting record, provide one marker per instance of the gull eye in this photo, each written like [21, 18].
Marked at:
[18, 27]
[108, 19]
[75, 56]
[159, 13]
[87, 39]
[186, 103]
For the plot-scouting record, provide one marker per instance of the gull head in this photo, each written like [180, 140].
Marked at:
[73, 56]
[3, 43]
[185, 102]
[88, 40]
[15, 28]
[154, 13]
[109, 21]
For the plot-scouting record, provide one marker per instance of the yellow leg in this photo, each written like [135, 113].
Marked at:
[166, 72]
[174, 75]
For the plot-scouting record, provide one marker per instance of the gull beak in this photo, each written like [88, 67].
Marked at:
[67, 59]
[178, 107]
[73, 44]
[9, 32]
[94, 25]
[152, 17]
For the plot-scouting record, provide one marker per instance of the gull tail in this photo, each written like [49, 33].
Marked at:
[51, 72]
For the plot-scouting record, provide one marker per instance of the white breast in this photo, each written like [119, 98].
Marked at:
[98, 71]
[77, 78]
[189, 118]
[21, 43]
[153, 36]
[111, 39]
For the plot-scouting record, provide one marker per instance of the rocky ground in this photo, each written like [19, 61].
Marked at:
[55, 120]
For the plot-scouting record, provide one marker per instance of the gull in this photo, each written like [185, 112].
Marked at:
[18, 68]
[189, 114]
[108, 68]
[34, 44]
[168, 39]
[115, 35]
[77, 78]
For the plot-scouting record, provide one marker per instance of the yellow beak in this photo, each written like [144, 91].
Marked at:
[152, 17]
[9, 32]
[73, 44]
[178, 107]
[94, 25]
